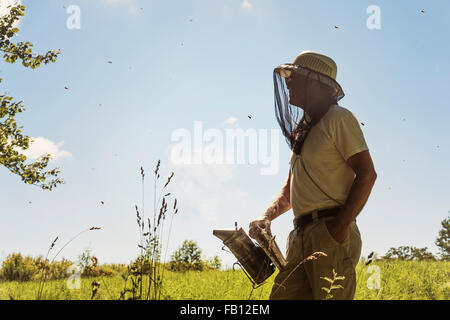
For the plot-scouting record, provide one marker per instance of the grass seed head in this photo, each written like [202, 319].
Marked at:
[157, 168]
[168, 180]
[53, 243]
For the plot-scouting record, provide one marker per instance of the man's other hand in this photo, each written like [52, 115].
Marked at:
[337, 229]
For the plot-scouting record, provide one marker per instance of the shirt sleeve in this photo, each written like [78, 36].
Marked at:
[348, 136]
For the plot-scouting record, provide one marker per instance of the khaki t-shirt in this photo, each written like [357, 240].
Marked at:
[334, 139]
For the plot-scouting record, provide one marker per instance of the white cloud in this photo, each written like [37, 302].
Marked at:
[4, 4]
[206, 189]
[201, 188]
[232, 121]
[246, 5]
[42, 146]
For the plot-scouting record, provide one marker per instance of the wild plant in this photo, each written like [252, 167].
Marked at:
[45, 267]
[333, 286]
[146, 273]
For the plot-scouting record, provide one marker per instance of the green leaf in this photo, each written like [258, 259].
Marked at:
[338, 286]
[327, 279]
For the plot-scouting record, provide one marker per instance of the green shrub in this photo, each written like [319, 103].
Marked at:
[113, 268]
[89, 265]
[58, 269]
[55, 271]
[18, 268]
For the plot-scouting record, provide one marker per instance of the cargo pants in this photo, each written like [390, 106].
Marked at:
[303, 281]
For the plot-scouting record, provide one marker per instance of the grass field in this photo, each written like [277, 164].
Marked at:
[399, 280]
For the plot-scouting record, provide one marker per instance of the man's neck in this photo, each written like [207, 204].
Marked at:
[308, 117]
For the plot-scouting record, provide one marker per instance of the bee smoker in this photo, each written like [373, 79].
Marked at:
[255, 263]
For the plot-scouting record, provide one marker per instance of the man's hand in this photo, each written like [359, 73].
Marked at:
[337, 229]
[258, 224]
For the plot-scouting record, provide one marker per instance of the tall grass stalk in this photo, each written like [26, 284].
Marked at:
[147, 272]
[44, 278]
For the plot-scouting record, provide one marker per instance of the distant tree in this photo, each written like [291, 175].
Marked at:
[401, 253]
[188, 256]
[11, 137]
[443, 240]
[85, 259]
[409, 253]
[214, 263]
[421, 254]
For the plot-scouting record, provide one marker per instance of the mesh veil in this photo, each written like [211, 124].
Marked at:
[292, 120]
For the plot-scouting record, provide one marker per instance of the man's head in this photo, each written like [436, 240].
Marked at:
[305, 89]
[309, 83]
[307, 93]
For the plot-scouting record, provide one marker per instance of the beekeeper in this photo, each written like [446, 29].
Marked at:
[330, 178]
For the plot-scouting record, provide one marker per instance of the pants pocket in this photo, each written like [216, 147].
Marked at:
[341, 257]
[354, 244]
[290, 244]
[326, 239]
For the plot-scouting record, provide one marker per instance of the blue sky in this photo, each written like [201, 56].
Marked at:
[168, 71]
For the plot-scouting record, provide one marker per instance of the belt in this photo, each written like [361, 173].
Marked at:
[302, 221]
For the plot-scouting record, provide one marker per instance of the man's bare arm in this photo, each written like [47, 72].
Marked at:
[362, 165]
[282, 202]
